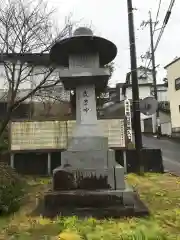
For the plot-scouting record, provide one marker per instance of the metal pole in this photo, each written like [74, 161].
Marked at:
[135, 88]
[158, 128]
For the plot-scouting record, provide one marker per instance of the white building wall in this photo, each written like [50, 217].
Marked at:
[166, 129]
[38, 75]
[143, 77]
[164, 117]
[121, 95]
[162, 96]
[142, 125]
[173, 72]
[162, 93]
[32, 81]
[3, 81]
[144, 91]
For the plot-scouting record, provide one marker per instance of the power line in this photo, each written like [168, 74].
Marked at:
[166, 19]
[157, 15]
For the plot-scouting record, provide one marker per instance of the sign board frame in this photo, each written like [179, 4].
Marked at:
[114, 135]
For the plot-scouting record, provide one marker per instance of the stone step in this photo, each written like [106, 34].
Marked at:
[83, 198]
[102, 203]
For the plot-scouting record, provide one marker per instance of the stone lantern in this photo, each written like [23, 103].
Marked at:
[89, 174]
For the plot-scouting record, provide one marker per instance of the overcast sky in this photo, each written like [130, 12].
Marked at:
[109, 20]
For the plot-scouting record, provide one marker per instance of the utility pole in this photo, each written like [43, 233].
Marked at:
[150, 55]
[158, 125]
[135, 88]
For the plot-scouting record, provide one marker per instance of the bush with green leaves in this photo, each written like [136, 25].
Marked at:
[11, 189]
[4, 140]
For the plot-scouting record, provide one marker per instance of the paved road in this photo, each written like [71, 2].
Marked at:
[170, 152]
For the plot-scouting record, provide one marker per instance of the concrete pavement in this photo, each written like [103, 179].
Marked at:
[170, 152]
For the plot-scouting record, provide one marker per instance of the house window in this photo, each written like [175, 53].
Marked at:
[177, 83]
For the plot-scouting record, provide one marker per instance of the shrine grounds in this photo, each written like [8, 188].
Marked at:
[160, 192]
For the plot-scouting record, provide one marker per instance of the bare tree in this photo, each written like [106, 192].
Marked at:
[111, 68]
[48, 101]
[26, 36]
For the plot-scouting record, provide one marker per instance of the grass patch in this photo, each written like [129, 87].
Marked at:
[161, 193]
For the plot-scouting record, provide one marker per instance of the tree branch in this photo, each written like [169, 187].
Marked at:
[26, 28]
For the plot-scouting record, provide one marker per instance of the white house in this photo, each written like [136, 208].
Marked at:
[162, 93]
[173, 77]
[34, 68]
[145, 82]
[39, 64]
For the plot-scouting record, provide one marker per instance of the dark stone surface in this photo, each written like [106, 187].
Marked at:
[93, 182]
[31, 163]
[82, 198]
[91, 205]
[55, 160]
[67, 178]
[63, 179]
[152, 159]
[119, 156]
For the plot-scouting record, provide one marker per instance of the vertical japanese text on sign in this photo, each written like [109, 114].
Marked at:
[85, 101]
[127, 106]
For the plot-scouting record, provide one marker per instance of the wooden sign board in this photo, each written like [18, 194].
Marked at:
[39, 135]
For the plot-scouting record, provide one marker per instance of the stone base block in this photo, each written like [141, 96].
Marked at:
[88, 159]
[68, 178]
[99, 204]
[87, 143]
[111, 158]
[73, 78]
[84, 198]
[119, 177]
[90, 178]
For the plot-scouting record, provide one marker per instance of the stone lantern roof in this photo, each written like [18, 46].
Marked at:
[83, 42]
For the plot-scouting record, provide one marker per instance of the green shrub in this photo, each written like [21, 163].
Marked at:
[4, 141]
[11, 189]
